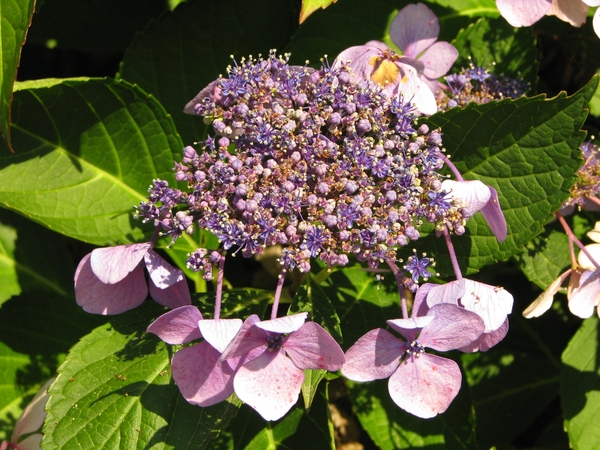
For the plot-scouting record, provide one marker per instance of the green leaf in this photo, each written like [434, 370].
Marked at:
[528, 150]
[500, 48]
[198, 49]
[545, 258]
[114, 390]
[36, 331]
[97, 27]
[310, 6]
[361, 302]
[239, 303]
[312, 299]
[580, 386]
[32, 257]
[312, 378]
[87, 150]
[15, 18]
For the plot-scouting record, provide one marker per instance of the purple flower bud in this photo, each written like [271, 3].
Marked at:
[423, 129]
[189, 154]
[335, 118]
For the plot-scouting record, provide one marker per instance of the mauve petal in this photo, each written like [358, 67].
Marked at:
[415, 90]
[583, 292]
[200, 376]
[359, 58]
[249, 337]
[425, 386]
[420, 306]
[544, 301]
[523, 13]
[172, 296]
[32, 442]
[112, 264]
[584, 261]
[97, 297]
[161, 272]
[491, 303]
[208, 91]
[594, 234]
[471, 193]
[438, 59]
[409, 328]
[374, 356]
[414, 29]
[311, 347]
[452, 327]
[446, 293]
[178, 326]
[572, 12]
[287, 324]
[33, 415]
[495, 217]
[219, 333]
[270, 384]
[487, 340]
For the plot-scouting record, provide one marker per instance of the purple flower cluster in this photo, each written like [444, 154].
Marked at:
[478, 85]
[584, 193]
[309, 159]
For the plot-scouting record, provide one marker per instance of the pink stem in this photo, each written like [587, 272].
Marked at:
[573, 238]
[452, 167]
[453, 258]
[399, 280]
[219, 288]
[278, 290]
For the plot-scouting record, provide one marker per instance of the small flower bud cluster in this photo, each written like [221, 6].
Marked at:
[311, 160]
[476, 84]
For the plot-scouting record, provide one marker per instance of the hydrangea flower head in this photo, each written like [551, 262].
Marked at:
[313, 160]
[111, 280]
[278, 351]
[422, 384]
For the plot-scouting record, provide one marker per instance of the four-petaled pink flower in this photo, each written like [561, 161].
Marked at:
[278, 351]
[476, 196]
[111, 280]
[420, 383]
[492, 303]
[399, 76]
[415, 31]
[203, 379]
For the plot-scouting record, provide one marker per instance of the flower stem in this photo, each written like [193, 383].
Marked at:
[400, 281]
[573, 238]
[452, 167]
[278, 290]
[453, 259]
[219, 288]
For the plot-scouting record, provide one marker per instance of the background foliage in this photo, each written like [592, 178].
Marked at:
[96, 114]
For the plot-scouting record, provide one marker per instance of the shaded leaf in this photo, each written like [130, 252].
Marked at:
[580, 386]
[87, 150]
[499, 47]
[105, 26]
[114, 390]
[545, 258]
[15, 18]
[528, 150]
[312, 299]
[197, 50]
[310, 6]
